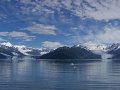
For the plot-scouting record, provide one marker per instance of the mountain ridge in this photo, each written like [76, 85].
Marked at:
[7, 49]
[70, 53]
[98, 51]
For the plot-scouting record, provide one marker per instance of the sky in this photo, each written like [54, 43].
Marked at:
[54, 23]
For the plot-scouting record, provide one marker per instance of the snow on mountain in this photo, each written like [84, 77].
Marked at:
[23, 49]
[8, 44]
[96, 47]
[29, 51]
[99, 48]
[7, 48]
[113, 47]
[93, 47]
[5, 54]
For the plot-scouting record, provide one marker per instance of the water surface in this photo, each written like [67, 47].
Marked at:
[30, 74]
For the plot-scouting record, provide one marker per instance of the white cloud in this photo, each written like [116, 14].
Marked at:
[96, 9]
[42, 29]
[51, 45]
[105, 9]
[17, 35]
[4, 33]
[110, 34]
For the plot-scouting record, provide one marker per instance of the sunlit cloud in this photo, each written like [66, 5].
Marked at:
[51, 44]
[41, 29]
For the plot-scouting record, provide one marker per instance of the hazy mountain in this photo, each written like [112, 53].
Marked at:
[114, 50]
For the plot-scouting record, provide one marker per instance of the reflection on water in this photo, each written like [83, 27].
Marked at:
[29, 74]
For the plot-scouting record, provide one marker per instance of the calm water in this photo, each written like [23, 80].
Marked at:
[29, 74]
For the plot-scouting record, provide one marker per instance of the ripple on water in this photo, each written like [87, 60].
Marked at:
[47, 75]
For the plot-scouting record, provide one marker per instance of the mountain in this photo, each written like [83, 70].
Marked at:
[79, 51]
[2, 56]
[113, 47]
[114, 50]
[8, 49]
[27, 50]
[85, 51]
[96, 47]
[111, 50]
[74, 52]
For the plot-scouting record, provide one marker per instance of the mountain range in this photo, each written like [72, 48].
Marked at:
[80, 51]
[85, 51]
[9, 50]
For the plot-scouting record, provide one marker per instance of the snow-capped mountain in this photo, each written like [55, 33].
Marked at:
[8, 44]
[23, 49]
[29, 51]
[113, 47]
[114, 50]
[8, 49]
[105, 50]
[95, 48]
[99, 47]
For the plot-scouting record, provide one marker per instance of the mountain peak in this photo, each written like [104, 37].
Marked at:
[8, 44]
[19, 46]
[20, 50]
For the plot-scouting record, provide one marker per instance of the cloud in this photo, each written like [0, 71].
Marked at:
[104, 9]
[96, 9]
[42, 29]
[55, 11]
[109, 34]
[51, 45]
[17, 35]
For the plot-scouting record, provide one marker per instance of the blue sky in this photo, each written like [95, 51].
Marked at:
[53, 23]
